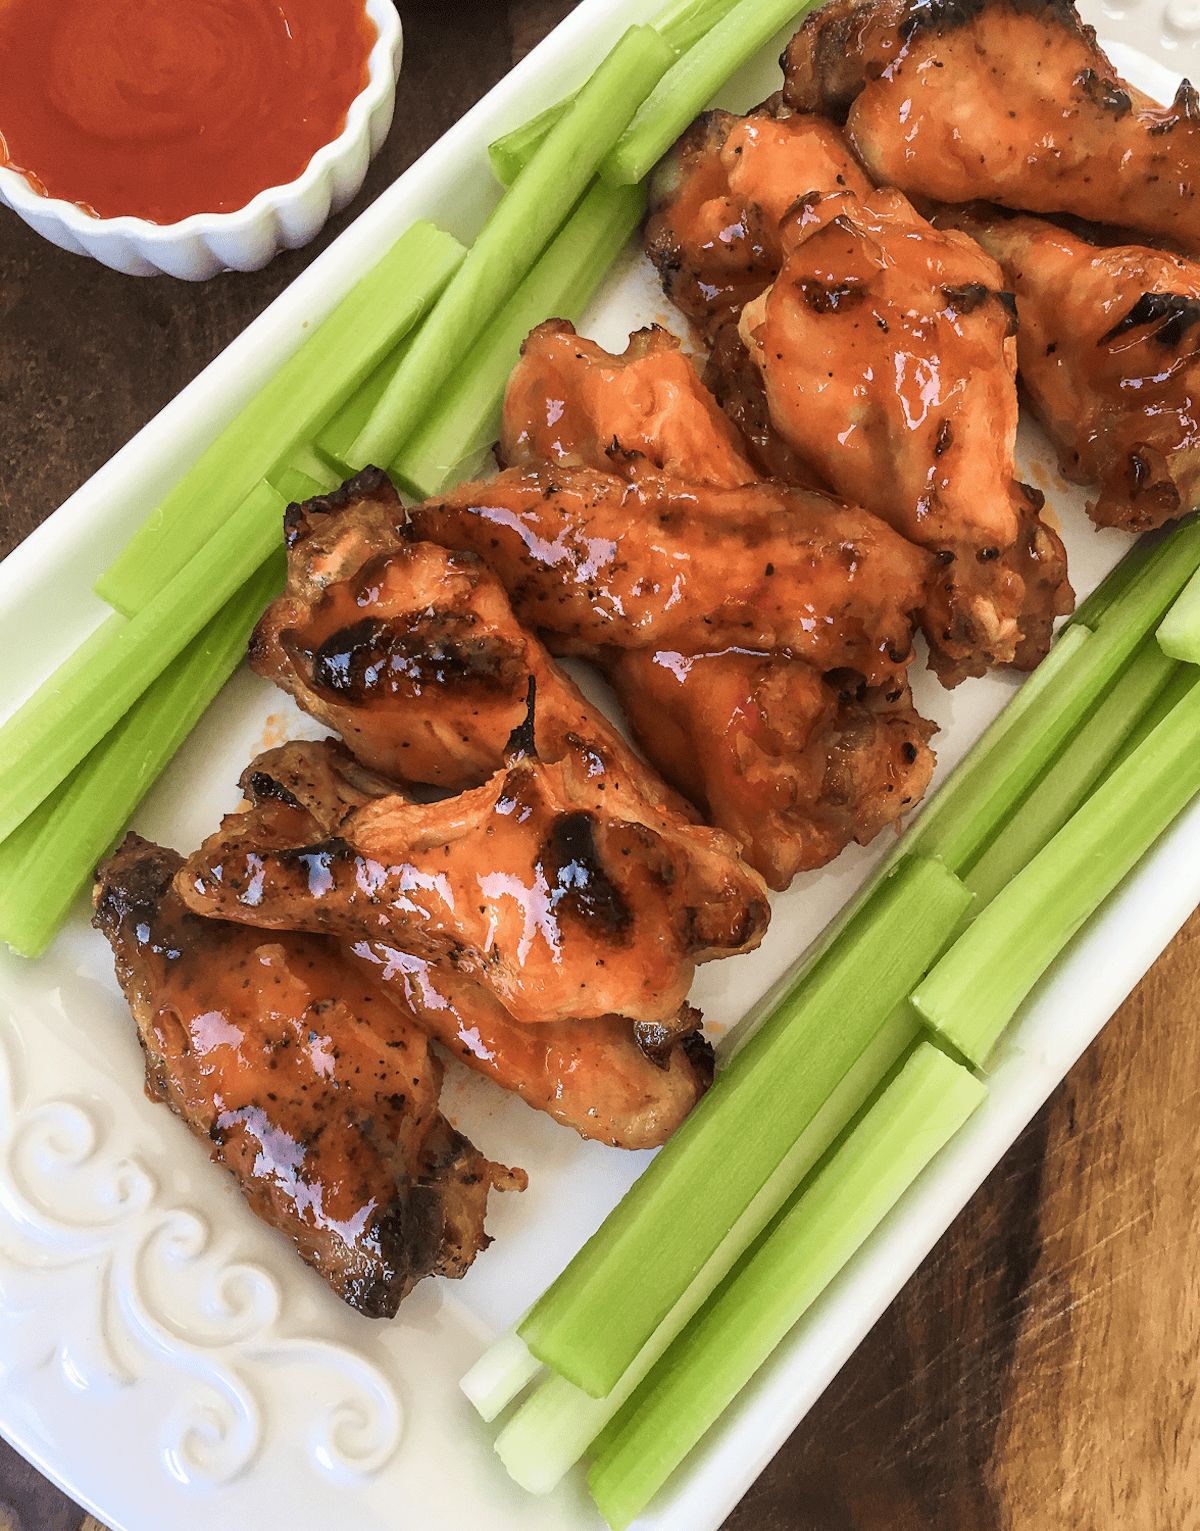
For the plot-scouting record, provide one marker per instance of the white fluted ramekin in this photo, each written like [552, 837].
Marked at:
[279, 218]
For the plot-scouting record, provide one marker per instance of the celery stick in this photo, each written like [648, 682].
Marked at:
[1072, 775]
[48, 859]
[466, 414]
[511, 152]
[1174, 691]
[974, 990]
[918, 1113]
[514, 237]
[302, 476]
[502, 1371]
[1003, 765]
[689, 85]
[553, 1428]
[309, 386]
[1142, 558]
[680, 28]
[592, 1321]
[1179, 631]
[48, 736]
[338, 435]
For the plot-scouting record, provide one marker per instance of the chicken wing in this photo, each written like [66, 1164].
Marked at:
[719, 196]
[412, 652]
[1109, 354]
[307, 1080]
[571, 403]
[887, 352]
[772, 752]
[616, 1081]
[558, 886]
[595, 562]
[1007, 100]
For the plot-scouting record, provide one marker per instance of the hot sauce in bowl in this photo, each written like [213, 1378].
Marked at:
[159, 109]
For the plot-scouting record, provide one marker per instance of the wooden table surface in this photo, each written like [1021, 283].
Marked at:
[1040, 1369]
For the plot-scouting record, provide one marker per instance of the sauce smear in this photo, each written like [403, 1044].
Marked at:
[163, 108]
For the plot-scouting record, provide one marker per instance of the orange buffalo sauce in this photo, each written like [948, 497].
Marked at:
[162, 108]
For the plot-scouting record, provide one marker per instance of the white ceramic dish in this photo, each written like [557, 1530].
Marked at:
[165, 1356]
[279, 218]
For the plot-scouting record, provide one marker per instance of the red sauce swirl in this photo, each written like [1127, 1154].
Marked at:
[163, 108]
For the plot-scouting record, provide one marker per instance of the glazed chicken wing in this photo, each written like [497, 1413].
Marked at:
[773, 752]
[719, 197]
[887, 353]
[1109, 354]
[1007, 100]
[307, 1080]
[595, 562]
[571, 403]
[412, 652]
[558, 886]
[613, 1080]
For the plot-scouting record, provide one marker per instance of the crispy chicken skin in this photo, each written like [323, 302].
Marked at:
[312, 1086]
[595, 562]
[1008, 100]
[719, 196]
[1109, 354]
[611, 1079]
[888, 357]
[411, 652]
[558, 886]
[775, 753]
[571, 403]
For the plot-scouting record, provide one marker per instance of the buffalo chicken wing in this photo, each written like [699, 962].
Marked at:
[1109, 354]
[558, 886]
[1011, 101]
[888, 356]
[306, 1079]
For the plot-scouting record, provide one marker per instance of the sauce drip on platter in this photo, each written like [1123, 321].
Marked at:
[159, 109]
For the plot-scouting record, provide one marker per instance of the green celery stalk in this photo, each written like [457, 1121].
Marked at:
[513, 238]
[338, 435]
[386, 303]
[1140, 561]
[688, 86]
[1179, 632]
[302, 476]
[466, 414]
[52, 732]
[47, 861]
[974, 990]
[511, 152]
[1068, 780]
[591, 1323]
[1174, 691]
[554, 1427]
[826, 1223]
[680, 28]
[1012, 754]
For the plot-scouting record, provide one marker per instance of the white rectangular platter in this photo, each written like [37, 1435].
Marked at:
[165, 1357]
